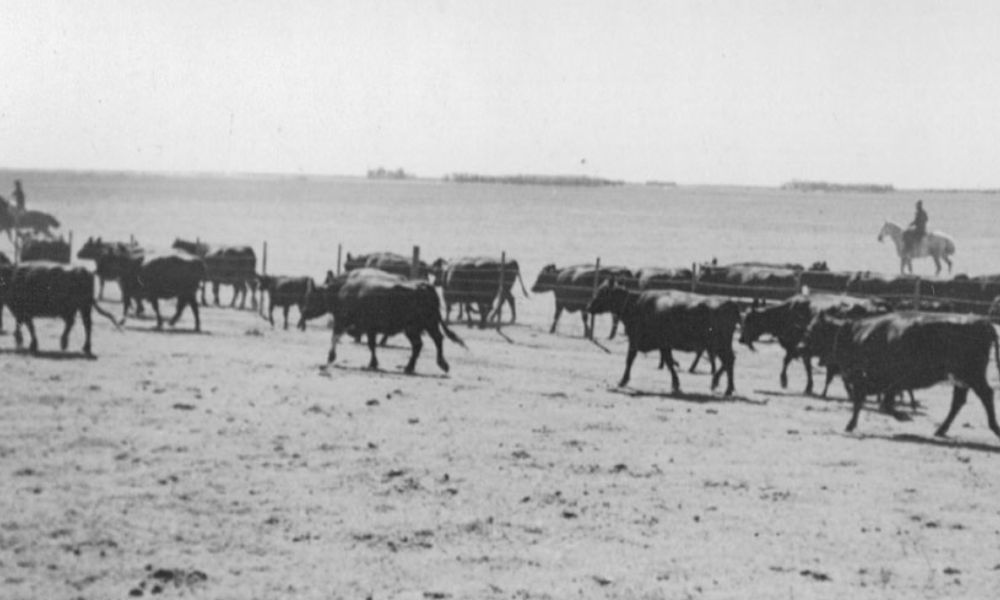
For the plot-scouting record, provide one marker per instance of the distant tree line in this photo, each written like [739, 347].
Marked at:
[581, 180]
[383, 173]
[823, 186]
[658, 183]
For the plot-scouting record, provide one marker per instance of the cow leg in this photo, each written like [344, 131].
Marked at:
[204, 300]
[694, 363]
[270, 313]
[629, 359]
[69, 319]
[614, 326]
[194, 308]
[215, 292]
[156, 310]
[588, 324]
[727, 359]
[416, 344]
[937, 265]
[18, 336]
[675, 382]
[948, 262]
[555, 319]
[831, 372]
[913, 401]
[513, 308]
[286, 308]
[181, 303]
[484, 313]
[859, 399]
[332, 354]
[807, 363]
[958, 397]
[985, 394]
[385, 340]
[33, 346]
[87, 325]
[372, 336]
[100, 288]
[435, 334]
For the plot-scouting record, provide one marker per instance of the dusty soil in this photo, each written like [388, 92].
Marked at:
[232, 465]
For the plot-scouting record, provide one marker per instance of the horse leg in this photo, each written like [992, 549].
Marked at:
[937, 264]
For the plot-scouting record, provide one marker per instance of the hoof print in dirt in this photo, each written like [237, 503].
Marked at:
[159, 580]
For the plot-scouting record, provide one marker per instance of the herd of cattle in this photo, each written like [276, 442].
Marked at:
[860, 325]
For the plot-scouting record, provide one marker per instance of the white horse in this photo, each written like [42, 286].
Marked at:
[935, 244]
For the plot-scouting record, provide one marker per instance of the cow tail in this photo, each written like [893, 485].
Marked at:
[521, 281]
[110, 317]
[452, 335]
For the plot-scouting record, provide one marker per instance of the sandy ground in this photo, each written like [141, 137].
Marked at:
[231, 465]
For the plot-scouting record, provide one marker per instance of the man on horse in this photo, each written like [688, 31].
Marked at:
[917, 229]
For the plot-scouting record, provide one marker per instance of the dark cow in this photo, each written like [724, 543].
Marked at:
[113, 260]
[477, 281]
[169, 276]
[230, 265]
[788, 321]
[376, 304]
[672, 320]
[286, 292]
[759, 281]
[46, 289]
[386, 261]
[886, 354]
[574, 288]
[54, 250]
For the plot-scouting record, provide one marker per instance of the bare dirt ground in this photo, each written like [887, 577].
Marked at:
[231, 465]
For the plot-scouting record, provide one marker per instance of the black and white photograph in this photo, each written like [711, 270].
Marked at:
[429, 299]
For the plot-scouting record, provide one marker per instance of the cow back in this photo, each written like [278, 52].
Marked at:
[170, 275]
[47, 289]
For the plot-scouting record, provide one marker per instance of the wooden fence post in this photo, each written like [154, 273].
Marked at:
[70, 245]
[916, 295]
[340, 248]
[415, 265]
[694, 277]
[263, 264]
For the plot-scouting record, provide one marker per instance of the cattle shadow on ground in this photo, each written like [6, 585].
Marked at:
[695, 397]
[165, 330]
[49, 354]
[903, 413]
[928, 440]
[326, 371]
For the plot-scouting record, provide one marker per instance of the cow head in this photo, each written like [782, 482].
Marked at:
[546, 279]
[92, 249]
[315, 303]
[820, 338]
[610, 297]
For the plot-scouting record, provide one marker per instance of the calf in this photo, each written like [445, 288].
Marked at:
[286, 292]
[886, 354]
[672, 320]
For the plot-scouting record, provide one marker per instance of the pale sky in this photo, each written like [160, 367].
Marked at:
[904, 92]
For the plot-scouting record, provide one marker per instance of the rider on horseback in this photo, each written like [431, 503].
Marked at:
[917, 229]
